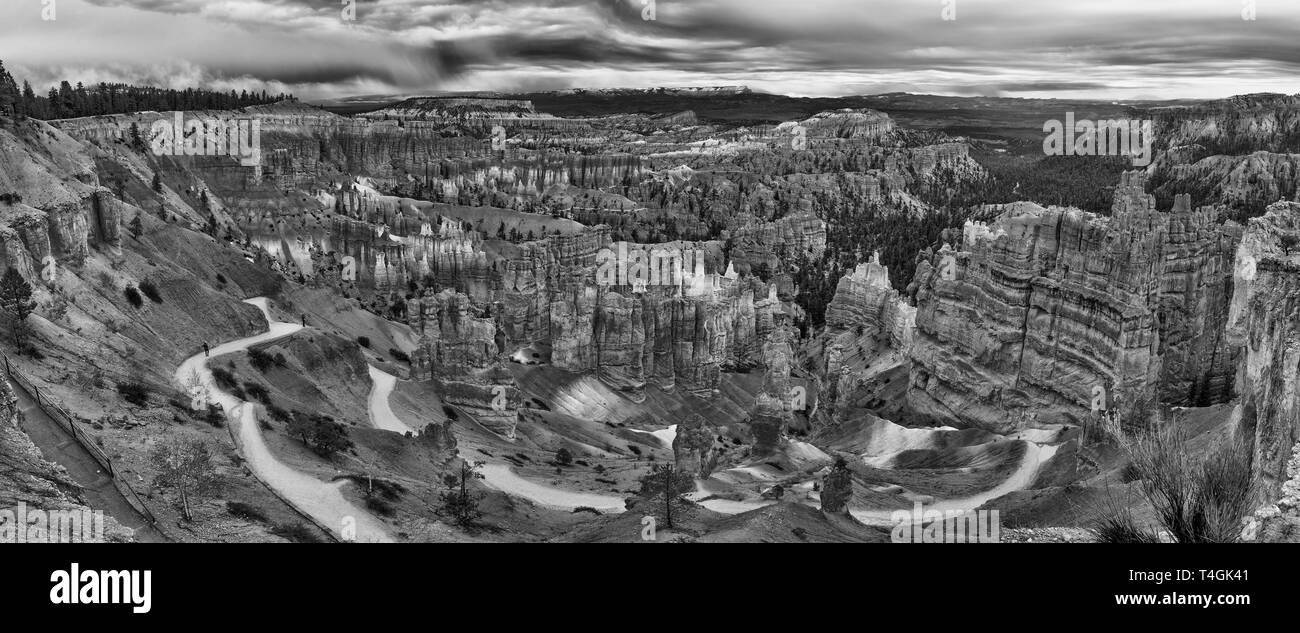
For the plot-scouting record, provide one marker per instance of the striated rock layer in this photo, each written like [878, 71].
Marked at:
[1054, 312]
[1264, 321]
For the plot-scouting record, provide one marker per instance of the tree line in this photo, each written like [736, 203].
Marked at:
[68, 101]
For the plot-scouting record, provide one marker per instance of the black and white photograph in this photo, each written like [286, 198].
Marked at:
[649, 272]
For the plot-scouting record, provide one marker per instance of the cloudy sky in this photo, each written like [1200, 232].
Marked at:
[1119, 49]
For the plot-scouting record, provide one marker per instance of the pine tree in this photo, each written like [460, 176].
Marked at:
[137, 141]
[666, 481]
[9, 95]
[16, 299]
[457, 500]
[187, 467]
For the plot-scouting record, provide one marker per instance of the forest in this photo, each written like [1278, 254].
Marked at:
[67, 101]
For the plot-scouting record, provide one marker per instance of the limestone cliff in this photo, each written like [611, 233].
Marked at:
[1047, 310]
[1264, 321]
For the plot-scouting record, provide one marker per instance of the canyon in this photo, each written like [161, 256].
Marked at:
[465, 268]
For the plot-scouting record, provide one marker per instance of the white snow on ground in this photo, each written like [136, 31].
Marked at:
[666, 435]
[321, 500]
[1035, 456]
[889, 439]
[381, 415]
[724, 506]
[501, 477]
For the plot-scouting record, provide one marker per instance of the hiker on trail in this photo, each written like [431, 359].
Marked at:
[304, 320]
[205, 348]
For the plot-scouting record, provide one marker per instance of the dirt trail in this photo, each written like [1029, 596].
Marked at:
[381, 414]
[323, 501]
[1035, 456]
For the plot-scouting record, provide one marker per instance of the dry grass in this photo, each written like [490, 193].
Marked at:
[1197, 498]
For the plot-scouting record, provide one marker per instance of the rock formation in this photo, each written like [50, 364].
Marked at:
[1264, 321]
[1053, 309]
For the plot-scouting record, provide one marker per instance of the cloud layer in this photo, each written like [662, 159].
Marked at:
[1072, 48]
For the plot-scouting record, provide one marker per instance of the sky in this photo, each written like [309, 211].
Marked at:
[332, 49]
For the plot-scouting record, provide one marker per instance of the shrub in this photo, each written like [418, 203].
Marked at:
[221, 279]
[321, 433]
[244, 511]
[150, 289]
[278, 414]
[363, 341]
[133, 296]
[259, 359]
[297, 532]
[1198, 498]
[134, 392]
[399, 355]
[225, 378]
[1116, 524]
[379, 506]
[257, 392]
[563, 457]
[216, 416]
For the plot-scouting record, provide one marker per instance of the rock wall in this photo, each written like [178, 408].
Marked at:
[1264, 322]
[865, 299]
[1044, 309]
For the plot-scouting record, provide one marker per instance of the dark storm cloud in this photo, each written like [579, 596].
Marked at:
[804, 46]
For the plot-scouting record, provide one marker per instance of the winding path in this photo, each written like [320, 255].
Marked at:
[323, 501]
[1035, 456]
[496, 476]
[501, 477]
[381, 414]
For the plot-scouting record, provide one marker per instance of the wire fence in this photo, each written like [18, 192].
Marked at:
[87, 442]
